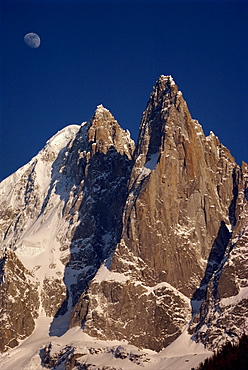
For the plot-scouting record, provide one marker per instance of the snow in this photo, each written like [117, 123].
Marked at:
[38, 249]
[151, 164]
[184, 348]
[25, 356]
[169, 77]
[182, 354]
[38, 246]
[234, 300]
[196, 305]
[104, 274]
[185, 231]
[31, 249]
[61, 138]
[55, 144]
[168, 287]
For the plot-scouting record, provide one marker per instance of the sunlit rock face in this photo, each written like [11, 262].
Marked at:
[224, 311]
[128, 243]
[177, 225]
[19, 302]
[181, 189]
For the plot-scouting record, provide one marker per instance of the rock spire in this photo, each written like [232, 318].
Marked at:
[130, 244]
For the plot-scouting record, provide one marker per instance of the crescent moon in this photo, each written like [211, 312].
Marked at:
[32, 40]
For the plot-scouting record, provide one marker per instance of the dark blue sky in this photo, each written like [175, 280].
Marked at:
[112, 53]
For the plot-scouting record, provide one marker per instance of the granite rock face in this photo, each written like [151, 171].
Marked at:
[223, 314]
[19, 301]
[177, 226]
[130, 243]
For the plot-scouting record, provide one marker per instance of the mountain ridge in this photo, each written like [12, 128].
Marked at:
[130, 243]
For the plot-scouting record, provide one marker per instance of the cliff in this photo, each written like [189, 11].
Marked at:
[132, 244]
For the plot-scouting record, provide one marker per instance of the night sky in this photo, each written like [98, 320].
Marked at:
[112, 53]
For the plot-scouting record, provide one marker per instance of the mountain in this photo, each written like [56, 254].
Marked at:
[140, 246]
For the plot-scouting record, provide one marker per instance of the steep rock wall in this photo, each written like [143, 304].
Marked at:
[224, 311]
[136, 243]
[180, 192]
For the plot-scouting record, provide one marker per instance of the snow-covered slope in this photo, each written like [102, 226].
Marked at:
[30, 227]
[109, 253]
[76, 348]
[55, 220]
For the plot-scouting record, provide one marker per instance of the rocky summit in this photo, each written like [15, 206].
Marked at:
[135, 245]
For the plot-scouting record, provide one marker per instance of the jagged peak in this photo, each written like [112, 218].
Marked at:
[165, 94]
[104, 132]
[101, 107]
[168, 78]
[165, 87]
[102, 116]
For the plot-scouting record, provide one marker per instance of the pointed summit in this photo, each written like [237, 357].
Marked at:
[101, 114]
[164, 97]
[135, 249]
[165, 83]
[164, 90]
[105, 132]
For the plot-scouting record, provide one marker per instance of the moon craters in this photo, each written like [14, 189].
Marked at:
[32, 40]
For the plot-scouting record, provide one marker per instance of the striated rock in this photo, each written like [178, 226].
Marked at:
[223, 315]
[126, 309]
[180, 208]
[178, 199]
[99, 161]
[19, 301]
[105, 132]
[52, 295]
[132, 243]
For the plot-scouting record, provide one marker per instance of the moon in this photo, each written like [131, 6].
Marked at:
[32, 40]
